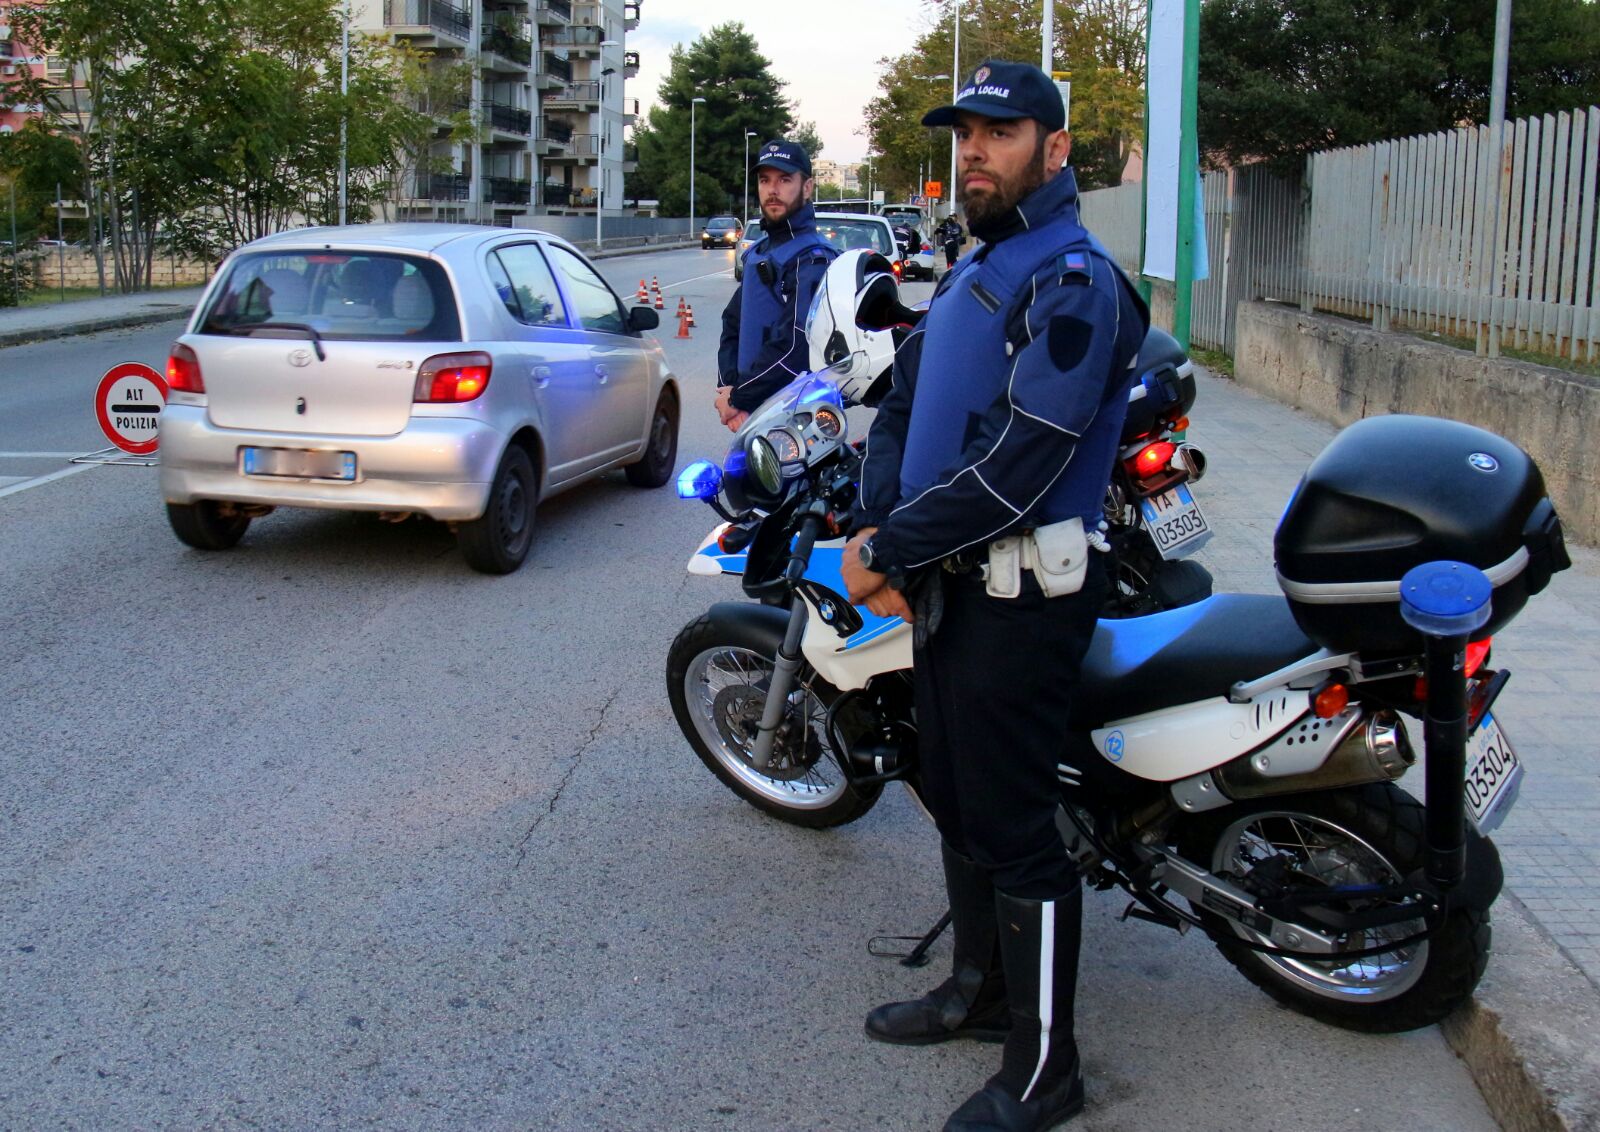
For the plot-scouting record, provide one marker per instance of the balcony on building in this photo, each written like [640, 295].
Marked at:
[553, 136]
[630, 111]
[630, 64]
[578, 39]
[575, 96]
[506, 51]
[443, 186]
[630, 16]
[555, 73]
[507, 190]
[553, 13]
[429, 22]
[581, 149]
[504, 118]
[553, 194]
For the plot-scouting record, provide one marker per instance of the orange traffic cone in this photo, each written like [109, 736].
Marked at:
[690, 308]
[683, 325]
[661, 303]
[644, 293]
[682, 307]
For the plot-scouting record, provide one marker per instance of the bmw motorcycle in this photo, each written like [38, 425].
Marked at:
[1232, 764]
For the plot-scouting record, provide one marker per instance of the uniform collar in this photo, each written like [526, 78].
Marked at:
[803, 219]
[1056, 196]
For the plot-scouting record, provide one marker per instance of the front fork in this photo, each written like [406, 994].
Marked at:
[787, 664]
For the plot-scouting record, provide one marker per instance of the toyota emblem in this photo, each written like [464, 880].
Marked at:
[300, 358]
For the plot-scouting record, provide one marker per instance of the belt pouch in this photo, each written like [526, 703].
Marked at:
[1058, 555]
[1005, 567]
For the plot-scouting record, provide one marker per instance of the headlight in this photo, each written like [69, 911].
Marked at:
[765, 467]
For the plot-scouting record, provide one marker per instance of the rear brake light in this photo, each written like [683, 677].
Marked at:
[1477, 653]
[898, 269]
[183, 370]
[453, 378]
[1152, 458]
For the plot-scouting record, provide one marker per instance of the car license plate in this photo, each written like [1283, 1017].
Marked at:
[299, 463]
[1174, 520]
[1494, 775]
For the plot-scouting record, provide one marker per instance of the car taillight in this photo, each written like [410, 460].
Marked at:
[927, 249]
[453, 377]
[1152, 458]
[183, 370]
[899, 270]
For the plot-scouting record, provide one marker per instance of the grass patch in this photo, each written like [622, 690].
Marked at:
[1214, 360]
[48, 296]
[1590, 369]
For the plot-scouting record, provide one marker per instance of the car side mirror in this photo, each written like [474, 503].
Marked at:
[643, 318]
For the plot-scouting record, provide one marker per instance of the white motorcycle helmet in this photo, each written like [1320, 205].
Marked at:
[856, 323]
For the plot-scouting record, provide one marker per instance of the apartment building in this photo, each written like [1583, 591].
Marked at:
[547, 91]
[18, 60]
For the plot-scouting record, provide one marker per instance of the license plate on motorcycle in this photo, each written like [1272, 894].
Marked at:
[1174, 520]
[299, 463]
[1494, 775]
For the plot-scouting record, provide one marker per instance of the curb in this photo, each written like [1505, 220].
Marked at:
[94, 325]
[172, 311]
[1530, 1035]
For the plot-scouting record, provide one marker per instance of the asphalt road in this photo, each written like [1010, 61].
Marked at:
[331, 831]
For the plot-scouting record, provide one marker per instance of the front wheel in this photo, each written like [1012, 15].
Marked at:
[654, 468]
[1366, 836]
[718, 672]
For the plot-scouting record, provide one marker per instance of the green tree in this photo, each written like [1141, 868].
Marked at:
[726, 68]
[1281, 78]
[806, 134]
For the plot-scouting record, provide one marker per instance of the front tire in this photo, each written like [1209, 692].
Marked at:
[205, 525]
[717, 673]
[497, 542]
[1364, 835]
[654, 468]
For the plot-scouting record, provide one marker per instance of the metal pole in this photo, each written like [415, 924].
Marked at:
[1047, 40]
[1183, 298]
[344, 136]
[61, 247]
[16, 273]
[744, 211]
[955, 89]
[600, 177]
[1489, 341]
[693, 102]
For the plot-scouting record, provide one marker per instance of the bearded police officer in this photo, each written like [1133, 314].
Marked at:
[985, 473]
[763, 327]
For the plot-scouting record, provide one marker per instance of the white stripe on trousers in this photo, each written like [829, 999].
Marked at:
[1047, 971]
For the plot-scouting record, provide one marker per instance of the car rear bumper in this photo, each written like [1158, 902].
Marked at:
[440, 467]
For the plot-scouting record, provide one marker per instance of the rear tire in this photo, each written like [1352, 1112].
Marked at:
[203, 526]
[654, 468]
[497, 542]
[715, 674]
[1367, 834]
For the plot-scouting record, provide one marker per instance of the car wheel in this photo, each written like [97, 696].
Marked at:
[654, 468]
[498, 540]
[204, 525]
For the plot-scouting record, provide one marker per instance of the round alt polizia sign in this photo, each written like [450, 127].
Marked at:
[128, 403]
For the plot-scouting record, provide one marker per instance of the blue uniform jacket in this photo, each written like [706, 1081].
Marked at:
[1009, 396]
[763, 346]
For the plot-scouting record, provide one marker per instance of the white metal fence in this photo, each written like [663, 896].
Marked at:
[1404, 233]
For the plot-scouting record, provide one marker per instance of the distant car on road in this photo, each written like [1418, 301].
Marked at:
[721, 232]
[457, 372]
[843, 231]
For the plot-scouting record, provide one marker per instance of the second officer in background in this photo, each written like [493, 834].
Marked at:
[763, 344]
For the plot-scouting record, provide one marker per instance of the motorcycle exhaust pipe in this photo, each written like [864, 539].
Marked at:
[1374, 748]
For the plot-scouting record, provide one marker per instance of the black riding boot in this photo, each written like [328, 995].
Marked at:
[1039, 1084]
[971, 1003]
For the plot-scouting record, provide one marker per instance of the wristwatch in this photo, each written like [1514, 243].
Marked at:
[869, 557]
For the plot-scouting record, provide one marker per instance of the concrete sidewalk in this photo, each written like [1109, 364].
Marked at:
[89, 316]
[1531, 1035]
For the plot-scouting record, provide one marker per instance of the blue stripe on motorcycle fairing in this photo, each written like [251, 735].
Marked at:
[730, 563]
[1135, 640]
[826, 569]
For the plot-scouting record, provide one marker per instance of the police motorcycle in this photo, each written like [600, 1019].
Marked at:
[1232, 764]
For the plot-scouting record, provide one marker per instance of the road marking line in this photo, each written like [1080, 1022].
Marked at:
[38, 455]
[37, 481]
[696, 279]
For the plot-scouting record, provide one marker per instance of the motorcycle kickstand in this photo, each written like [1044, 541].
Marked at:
[918, 955]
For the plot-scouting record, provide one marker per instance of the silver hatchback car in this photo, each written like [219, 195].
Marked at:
[452, 371]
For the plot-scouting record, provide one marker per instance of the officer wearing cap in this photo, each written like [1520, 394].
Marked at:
[763, 344]
[981, 493]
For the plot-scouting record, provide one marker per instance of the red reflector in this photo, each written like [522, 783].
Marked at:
[183, 370]
[1152, 458]
[1477, 653]
[722, 539]
[1331, 701]
[1180, 425]
[453, 378]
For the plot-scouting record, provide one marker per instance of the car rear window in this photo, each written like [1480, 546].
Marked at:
[722, 222]
[848, 234]
[343, 296]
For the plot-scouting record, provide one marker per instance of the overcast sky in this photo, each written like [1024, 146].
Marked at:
[826, 50]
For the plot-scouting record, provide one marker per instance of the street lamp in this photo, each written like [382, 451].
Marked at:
[940, 77]
[600, 147]
[955, 90]
[745, 215]
[696, 101]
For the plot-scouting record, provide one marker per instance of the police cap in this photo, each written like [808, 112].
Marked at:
[1005, 90]
[786, 157]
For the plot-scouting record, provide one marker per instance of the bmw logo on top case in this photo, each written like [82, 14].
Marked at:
[1484, 462]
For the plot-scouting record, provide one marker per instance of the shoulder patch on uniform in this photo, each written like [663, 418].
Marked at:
[1075, 267]
[1069, 341]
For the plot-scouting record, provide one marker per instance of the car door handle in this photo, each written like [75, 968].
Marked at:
[602, 373]
[541, 376]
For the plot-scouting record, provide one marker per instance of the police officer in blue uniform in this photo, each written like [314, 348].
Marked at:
[763, 344]
[984, 478]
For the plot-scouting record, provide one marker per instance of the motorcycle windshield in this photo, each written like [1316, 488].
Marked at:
[805, 391]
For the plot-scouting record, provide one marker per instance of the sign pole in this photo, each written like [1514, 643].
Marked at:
[1145, 289]
[1188, 175]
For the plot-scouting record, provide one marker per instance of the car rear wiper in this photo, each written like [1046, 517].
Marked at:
[316, 339]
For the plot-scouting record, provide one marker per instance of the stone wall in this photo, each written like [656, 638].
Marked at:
[1342, 371]
[81, 272]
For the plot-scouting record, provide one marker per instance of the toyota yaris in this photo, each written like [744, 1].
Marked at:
[457, 372]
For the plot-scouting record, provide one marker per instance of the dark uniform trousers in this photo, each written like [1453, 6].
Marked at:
[993, 688]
